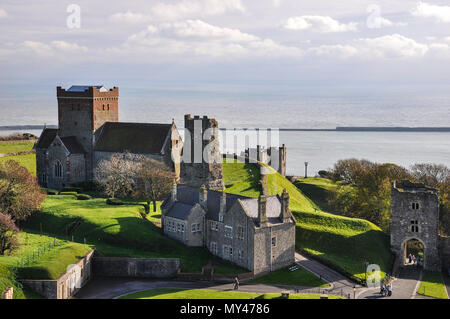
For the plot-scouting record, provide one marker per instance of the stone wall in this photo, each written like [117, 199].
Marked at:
[136, 267]
[8, 293]
[66, 285]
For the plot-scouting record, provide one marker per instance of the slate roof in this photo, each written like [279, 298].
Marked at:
[188, 196]
[139, 138]
[179, 210]
[82, 88]
[273, 208]
[72, 145]
[47, 137]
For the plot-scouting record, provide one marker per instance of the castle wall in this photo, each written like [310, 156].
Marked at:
[427, 217]
[57, 153]
[41, 166]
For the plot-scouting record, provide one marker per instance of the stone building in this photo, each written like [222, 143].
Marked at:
[415, 217]
[89, 131]
[255, 233]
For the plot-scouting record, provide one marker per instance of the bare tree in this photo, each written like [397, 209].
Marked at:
[154, 181]
[116, 175]
[8, 232]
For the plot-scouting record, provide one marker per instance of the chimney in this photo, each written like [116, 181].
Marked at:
[174, 192]
[223, 203]
[203, 197]
[285, 212]
[262, 214]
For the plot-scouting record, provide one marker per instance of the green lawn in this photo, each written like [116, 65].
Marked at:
[170, 293]
[15, 147]
[299, 277]
[27, 160]
[432, 285]
[343, 243]
[241, 178]
[320, 190]
[117, 231]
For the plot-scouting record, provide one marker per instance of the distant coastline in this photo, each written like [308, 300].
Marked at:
[337, 129]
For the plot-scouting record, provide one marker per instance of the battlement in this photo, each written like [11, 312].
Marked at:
[206, 122]
[87, 91]
[410, 187]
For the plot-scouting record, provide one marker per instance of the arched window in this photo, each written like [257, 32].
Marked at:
[58, 169]
[107, 107]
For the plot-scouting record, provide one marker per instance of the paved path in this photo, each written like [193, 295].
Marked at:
[110, 288]
[403, 287]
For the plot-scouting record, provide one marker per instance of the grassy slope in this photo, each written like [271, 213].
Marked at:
[433, 285]
[49, 265]
[317, 189]
[170, 293]
[117, 231]
[28, 161]
[342, 242]
[14, 147]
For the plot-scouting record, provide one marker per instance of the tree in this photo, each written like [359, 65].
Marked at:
[8, 232]
[154, 181]
[116, 175]
[20, 195]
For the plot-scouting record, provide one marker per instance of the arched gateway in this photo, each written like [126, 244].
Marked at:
[415, 222]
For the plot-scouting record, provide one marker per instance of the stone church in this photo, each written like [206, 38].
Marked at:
[255, 233]
[89, 131]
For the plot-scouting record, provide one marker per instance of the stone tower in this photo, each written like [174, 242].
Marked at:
[84, 109]
[202, 159]
[415, 216]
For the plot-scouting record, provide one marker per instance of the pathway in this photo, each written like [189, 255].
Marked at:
[110, 288]
[340, 285]
[403, 287]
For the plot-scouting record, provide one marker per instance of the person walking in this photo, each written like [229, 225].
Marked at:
[409, 259]
[236, 283]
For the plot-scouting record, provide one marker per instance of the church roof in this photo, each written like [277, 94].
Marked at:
[82, 88]
[140, 138]
[47, 137]
[72, 145]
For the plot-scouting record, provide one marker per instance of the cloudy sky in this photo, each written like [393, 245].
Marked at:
[314, 42]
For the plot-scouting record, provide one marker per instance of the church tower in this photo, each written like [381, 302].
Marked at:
[82, 110]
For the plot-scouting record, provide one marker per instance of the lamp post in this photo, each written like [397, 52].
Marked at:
[306, 169]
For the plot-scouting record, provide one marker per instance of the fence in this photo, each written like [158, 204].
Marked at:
[34, 256]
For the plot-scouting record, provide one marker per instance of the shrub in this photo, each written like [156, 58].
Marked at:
[68, 193]
[83, 197]
[72, 189]
[114, 201]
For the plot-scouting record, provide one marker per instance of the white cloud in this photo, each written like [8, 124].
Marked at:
[183, 9]
[200, 38]
[3, 13]
[380, 22]
[426, 10]
[392, 46]
[322, 24]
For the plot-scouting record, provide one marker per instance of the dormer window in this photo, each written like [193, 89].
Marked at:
[415, 206]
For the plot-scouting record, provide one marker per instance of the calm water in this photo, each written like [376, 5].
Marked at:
[282, 107]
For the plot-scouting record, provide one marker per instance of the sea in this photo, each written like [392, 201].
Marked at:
[279, 107]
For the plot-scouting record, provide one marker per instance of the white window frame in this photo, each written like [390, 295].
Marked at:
[214, 226]
[229, 233]
[240, 254]
[213, 247]
[195, 228]
[227, 252]
[240, 232]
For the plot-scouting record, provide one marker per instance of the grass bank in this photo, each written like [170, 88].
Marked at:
[432, 285]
